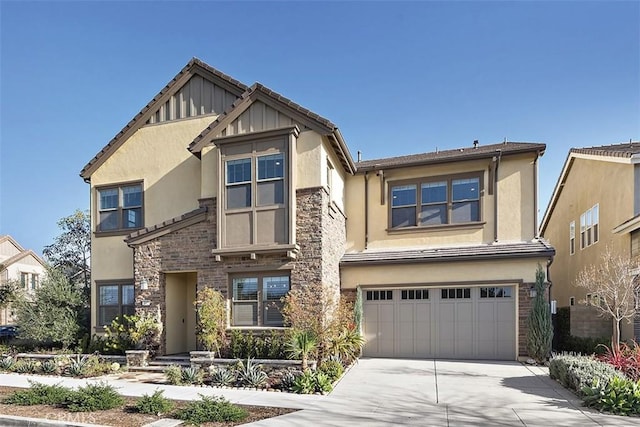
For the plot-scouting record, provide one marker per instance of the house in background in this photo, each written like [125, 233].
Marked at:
[22, 266]
[218, 184]
[595, 205]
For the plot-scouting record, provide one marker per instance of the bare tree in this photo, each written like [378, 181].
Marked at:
[614, 286]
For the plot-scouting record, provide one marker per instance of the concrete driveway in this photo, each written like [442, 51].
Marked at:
[390, 392]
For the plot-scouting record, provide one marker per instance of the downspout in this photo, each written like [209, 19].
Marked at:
[535, 198]
[495, 196]
[549, 262]
[366, 210]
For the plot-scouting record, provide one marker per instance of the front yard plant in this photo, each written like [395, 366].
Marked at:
[155, 404]
[578, 372]
[619, 396]
[211, 409]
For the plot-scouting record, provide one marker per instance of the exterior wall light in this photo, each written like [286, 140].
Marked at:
[144, 285]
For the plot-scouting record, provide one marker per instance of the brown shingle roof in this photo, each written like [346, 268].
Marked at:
[167, 226]
[536, 248]
[626, 149]
[139, 120]
[445, 156]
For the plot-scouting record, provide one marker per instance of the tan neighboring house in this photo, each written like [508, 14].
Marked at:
[21, 265]
[218, 184]
[595, 205]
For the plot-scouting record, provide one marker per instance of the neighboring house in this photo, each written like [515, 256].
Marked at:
[595, 205]
[217, 184]
[21, 266]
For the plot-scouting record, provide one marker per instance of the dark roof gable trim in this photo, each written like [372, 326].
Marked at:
[195, 66]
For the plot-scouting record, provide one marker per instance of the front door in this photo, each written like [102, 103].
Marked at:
[180, 324]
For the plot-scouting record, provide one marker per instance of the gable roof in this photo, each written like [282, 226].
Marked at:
[9, 261]
[625, 152]
[533, 249]
[193, 67]
[149, 233]
[259, 92]
[455, 155]
[7, 238]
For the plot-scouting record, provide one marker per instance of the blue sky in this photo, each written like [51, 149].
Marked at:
[396, 77]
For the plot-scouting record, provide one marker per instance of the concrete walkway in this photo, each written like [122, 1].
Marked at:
[391, 392]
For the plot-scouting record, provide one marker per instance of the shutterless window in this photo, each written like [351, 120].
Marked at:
[34, 281]
[572, 237]
[120, 207]
[465, 200]
[590, 227]
[270, 180]
[114, 300]
[455, 293]
[413, 294]
[434, 203]
[379, 295]
[495, 292]
[403, 206]
[24, 278]
[238, 183]
[252, 295]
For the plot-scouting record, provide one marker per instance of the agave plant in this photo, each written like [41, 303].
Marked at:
[77, 366]
[49, 367]
[25, 367]
[6, 363]
[191, 375]
[252, 374]
[223, 377]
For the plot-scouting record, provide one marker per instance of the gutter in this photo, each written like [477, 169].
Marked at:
[366, 210]
[535, 197]
[549, 262]
[496, 159]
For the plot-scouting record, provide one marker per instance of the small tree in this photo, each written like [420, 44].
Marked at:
[615, 289]
[8, 292]
[540, 331]
[211, 319]
[51, 316]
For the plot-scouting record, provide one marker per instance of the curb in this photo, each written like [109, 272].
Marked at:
[13, 421]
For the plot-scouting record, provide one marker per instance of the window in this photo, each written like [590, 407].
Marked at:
[256, 300]
[379, 295]
[24, 278]
[413, 294]
[590, 227]
[34, 281]
[440, 201]
[572, 237]
[572, 300]
[114, 300]
[329, 177]
[238, 183]
[270, 180]
[120, 208]
[495, 292]
[455, 293]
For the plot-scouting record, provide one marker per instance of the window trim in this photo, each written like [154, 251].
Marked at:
[119, 186]
[260, 300]
[449, 202]
[572, 237]
[590, 226]
[119, 283]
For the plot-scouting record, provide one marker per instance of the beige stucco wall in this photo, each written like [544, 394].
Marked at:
[516, 197]
[158, 154]
[589, 182]
[441, 273]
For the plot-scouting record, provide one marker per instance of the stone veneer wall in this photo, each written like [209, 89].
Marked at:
[524, 308]
[320, 235]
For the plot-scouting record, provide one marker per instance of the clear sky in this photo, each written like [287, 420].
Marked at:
[396, 77]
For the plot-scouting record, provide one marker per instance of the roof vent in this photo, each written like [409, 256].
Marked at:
[475, 143]
[359, 156]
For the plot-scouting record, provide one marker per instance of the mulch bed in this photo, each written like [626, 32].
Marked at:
[119, 417]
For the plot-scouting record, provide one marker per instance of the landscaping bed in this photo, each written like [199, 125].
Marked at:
[123, 416]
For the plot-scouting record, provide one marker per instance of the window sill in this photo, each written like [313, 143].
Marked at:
[121, 232]
[444, 227]
[256, 328]
[248, 250]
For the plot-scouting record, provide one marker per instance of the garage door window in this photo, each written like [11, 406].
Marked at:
[495, 292]
[456, 293]
[415, 294]
[379, 295]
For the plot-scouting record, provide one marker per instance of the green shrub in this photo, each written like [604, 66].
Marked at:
[155, 404]
[539, 327]
[322, 383]
[346, 345]
[25, 366]
[211, 409]
[271, 345]
[251, 374]
[333, 369]
[211, 319]
[94, 397]
[578, 372]
[49, 367]
[223, 377]
[134, 332]
[191, 375]
[288, 380]
[584, 345]
[173, 374]
[77, 366]
[39, 394]
[620, 396]
[304, 383]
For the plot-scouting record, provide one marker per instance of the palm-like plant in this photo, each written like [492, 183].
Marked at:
[301, 345]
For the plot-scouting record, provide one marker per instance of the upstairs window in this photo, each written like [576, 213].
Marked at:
[34, 281]
[270, 183]
[590, 227]
[572, 237]
[425, 203]
[120, 207]
[24, 278]
[238, 183]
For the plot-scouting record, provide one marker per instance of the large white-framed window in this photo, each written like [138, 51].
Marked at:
[256, 299]
[120, 207]
[590, 226]
[435, 201]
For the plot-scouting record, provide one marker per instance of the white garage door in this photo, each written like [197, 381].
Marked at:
[454, 323]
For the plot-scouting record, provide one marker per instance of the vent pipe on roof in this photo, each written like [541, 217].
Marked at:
[475, 143]
[359, 155]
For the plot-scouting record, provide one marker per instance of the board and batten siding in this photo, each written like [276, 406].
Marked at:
[197, 97]
[258, 117]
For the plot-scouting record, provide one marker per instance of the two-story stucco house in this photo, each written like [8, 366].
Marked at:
[22, 266]
[595, 205]
[217, 184]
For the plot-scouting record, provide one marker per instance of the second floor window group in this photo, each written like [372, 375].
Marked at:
[269, 183]
[120, 207]
[428, 203]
